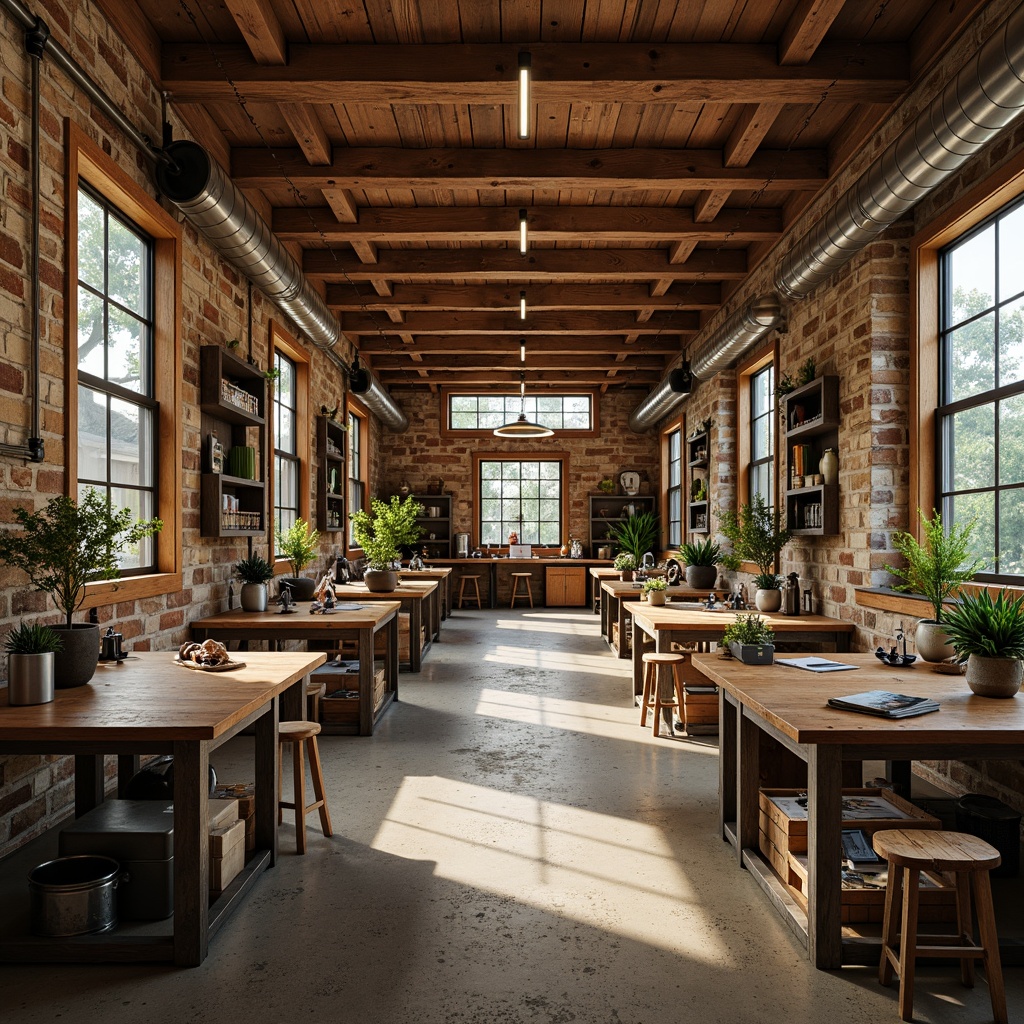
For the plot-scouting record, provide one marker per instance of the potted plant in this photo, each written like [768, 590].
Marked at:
[757, 536]
[654, 590]
[299, 545]
[751, 640]
[990, 636]
[381, 536]
[63, 547]
[30, 651]
[936, 569]
[701, 558]
[254, 573]
[625, 563]
[606, 485]
[637, 534]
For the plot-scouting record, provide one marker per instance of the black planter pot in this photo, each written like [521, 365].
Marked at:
[701, 577]
[380, 581]
[302, 587]
[76, 663]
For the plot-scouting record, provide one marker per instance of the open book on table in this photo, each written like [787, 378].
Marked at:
[814, 664]
[884, 704]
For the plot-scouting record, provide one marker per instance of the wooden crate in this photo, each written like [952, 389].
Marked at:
[341, 705]
[936, 897]
[700, 709]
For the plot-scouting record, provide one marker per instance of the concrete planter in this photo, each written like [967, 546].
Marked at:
[76, 663]
[701, 577]
[994, 677]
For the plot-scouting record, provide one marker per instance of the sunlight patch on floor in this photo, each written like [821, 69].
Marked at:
[561, 626]
[559, 661]
[574, 715]
[603, 871]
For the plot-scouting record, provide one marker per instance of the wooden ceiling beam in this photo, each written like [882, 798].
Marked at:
[577, 322]
[804, 32]
[309, 133]
[547, 224]
[462, 345]
[586, 266]
[485, 74]
[352, 299]
[261, 30]
[753, 125]
[342, 205]
[490, 170]
[473, 363]
[552, 379]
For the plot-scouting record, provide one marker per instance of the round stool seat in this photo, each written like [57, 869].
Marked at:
[522, 574]
[663, 658]
[935, 851]
[291, 732]
[524, 578]
[315, 689]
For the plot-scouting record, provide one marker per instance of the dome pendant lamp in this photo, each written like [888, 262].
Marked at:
[522, 427]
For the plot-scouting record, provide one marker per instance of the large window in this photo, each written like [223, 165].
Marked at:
[356, 466]
[761, 473]
[117, 452]
[123, 388]
[980, 468]
[287, 466]
[521, 495]
[565, 412]
[674, 491]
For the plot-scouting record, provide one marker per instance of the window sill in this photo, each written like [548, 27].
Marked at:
[889, 600]
[131, 588]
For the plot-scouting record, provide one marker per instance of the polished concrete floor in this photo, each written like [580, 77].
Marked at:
[510, 847]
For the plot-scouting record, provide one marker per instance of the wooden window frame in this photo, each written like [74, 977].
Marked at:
[282, 341]
[357, 409]
[677, 424]
[448, 391]
[86, 161]
[523, 456]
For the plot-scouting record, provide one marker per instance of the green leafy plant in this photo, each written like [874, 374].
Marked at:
[607, 486]
[807, 372]
[254, 569]
[939, 567]
[274, 373]
[299, 544]
[748, 629]
[637, 534]
[624, 560]
[654, 583]
[756, 535]
[66, 545]
[391, 525]
[785, 386]
[767, 581]
[32, 640]
[993, 629]
[700, 552]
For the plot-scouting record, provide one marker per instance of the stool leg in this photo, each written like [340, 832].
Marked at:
[299, 783]
[476, 591]
[659, 685]
[890, 922]
[677, 676]
[646, 696]
[529, 592]
[318, 786]
[908, 941]
[990, 942]
[280, 781]
[462, 590]
[964, 925]
[515, 590]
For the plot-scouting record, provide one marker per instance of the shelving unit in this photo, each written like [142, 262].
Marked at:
[812, 424]
[331, 438]
[613, 507]
[233, 403]
[440, 526]
[697, 463]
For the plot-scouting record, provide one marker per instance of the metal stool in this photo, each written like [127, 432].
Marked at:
[523, 577]
[909, 852]
[301, 734]
[475, 580]
[662, 686]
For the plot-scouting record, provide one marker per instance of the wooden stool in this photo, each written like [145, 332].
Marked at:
[314, 691]
[523, 577]
[909, 852]
[299, 734]
[662, 686]
[475, 580]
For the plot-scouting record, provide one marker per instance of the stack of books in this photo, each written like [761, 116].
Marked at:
[885, 704]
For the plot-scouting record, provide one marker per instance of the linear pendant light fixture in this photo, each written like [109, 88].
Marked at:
[522, 350]
[522, 305]
[523, 241]
[522, 427]
[524, 94]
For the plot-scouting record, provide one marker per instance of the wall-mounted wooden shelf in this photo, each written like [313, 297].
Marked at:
[812, 424]
[331, 441]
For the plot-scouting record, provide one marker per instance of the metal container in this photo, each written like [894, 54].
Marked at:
[74, 896]
[462, 545]
[30, 678]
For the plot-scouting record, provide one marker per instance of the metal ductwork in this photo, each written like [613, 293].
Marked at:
[208, 198]
[985, 97]
[372, 394]
[737, 335]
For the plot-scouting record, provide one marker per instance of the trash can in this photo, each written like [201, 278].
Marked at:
[992, 820]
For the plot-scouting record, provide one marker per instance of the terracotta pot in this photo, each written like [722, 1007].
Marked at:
[626, 575]
[768, 600]
[994, 677]
[932, 641]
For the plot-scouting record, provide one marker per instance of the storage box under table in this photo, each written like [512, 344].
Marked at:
[340, 705]
[227, 854]
[700, 709]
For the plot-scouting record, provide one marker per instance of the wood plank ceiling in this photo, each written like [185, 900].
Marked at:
[671, 143]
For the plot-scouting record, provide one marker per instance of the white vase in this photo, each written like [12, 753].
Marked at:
[829, 467]
[932, 641]
[253, 597]
[768, 600]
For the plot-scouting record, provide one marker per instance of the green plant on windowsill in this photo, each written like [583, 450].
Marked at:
[701, 552]
[755, 533]
[989, 636]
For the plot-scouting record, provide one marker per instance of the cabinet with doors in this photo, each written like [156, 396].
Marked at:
[608, 510]
[698, 508]
[811, 429]
[565, 586]
[331, 478]
[233, 409]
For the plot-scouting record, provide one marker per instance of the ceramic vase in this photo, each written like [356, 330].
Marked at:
[829, 467]
[253, 597]
[768, 600]
[932, 641]
[994, 677]
[656, 597]
[75, 664]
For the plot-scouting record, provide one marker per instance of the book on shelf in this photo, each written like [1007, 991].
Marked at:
[814, 664]
[884, 704]
[859, 854]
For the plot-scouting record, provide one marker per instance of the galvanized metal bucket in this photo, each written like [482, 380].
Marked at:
[74, 895]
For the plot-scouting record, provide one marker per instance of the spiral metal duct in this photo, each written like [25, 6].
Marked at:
[208, 198]
[372, 394]
[662, 400]
[985, 97]
[744, 329]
